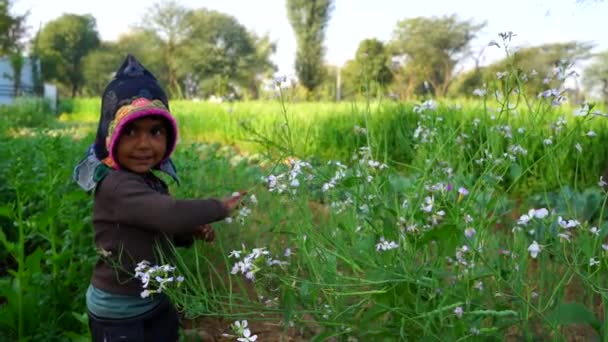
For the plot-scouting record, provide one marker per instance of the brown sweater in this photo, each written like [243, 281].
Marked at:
[130, 219]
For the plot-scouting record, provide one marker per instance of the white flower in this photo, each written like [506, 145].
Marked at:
[602, 183]
[564, 236]
[524, 219]
[500, 75]
[534, 249]
[479, 92]
[593, 262]
[591, 134]
[240, 325]
[579, 147]
[463, 191]
[458, 311]
[287, 252]
[429, 204]
[364, 208]
[145, 294]
[582, 110]
[567, 224]
[384, 245]
[541, 213]
[594, 231]
[469, 232]
[247, 337]
[360, 130]
[547, 141]
[605, 246]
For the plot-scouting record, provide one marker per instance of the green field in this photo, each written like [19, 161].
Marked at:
[371, 221]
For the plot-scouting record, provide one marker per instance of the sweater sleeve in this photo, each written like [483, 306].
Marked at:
[135, 203]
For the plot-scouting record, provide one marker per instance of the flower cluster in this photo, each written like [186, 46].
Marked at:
[244, 211]
[429, 105]
[155, 278]
[290, 180]
[241, 329]
[250, 264]
[385, 245]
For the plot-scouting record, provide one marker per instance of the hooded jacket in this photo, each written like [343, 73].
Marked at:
[133, 214]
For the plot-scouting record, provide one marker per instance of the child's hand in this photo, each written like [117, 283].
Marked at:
[205, 232]
[232, 202]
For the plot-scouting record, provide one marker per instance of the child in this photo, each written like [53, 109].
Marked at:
[133, 213]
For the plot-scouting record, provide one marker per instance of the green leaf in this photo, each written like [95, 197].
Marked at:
[372, 314]
[447, 238]
[573, 313]
[515, 171]
[32, 261]
[9, 246]
[6, 212]
[75, 337]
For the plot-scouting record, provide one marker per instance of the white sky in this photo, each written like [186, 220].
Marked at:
[534, 21]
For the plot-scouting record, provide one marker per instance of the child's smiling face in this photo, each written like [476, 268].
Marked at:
[142, 144]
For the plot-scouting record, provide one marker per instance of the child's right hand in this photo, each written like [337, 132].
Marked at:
[232, 202]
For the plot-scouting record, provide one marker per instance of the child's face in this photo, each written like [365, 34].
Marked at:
[142, 144]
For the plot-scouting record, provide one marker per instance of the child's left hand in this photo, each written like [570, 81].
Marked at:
[205, 232]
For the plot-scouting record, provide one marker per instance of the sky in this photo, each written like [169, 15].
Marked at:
[533, 21]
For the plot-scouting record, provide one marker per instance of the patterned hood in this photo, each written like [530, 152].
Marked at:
[132, 94]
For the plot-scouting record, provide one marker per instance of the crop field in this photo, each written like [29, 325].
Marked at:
[371, 221]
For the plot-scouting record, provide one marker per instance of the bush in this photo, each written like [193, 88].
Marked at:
[27, 112]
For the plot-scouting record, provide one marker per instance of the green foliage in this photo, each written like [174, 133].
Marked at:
[596, 75]
[309, 20]
[27, 112]
[12, 29]
[98, 69]
[436, 245]
[535, 66]
[62, 46]
[369, 73]
[222, 57]
[45, 235]
[433, 46]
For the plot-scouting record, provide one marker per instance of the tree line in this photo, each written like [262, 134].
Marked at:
[199, 53]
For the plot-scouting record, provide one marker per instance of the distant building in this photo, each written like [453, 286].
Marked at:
[7, 91]
[27, 85]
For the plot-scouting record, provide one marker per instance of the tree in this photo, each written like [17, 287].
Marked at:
[309, 19]
[12, 34]
[370, 71]
[596, 75]
[99, 66]
[223, 58]
[62, 45]
[12, 29]
[432, 47]
[258, 66]
[167, 20]
[535, 65]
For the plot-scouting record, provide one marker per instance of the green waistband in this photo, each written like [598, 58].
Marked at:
[109, 305]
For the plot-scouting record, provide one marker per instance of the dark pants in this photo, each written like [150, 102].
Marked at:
[160, 324]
